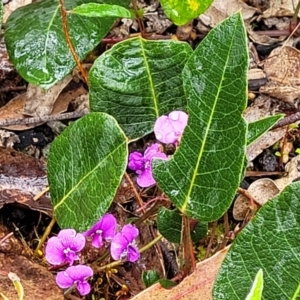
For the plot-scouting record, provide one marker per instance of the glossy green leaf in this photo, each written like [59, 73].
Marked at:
[150, 277]
[257, 287]
[169, 224]
[36, 42]
[137, 80]
[258, 128]
[183, 11]
[202, 177]
[271, 242]
[102, 10]
[85, 166]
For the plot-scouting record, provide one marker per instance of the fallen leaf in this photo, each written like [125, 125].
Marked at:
[14, 108]
[280, 8]
[220, 10]
[39, 102]
[292, 173]
[261, 190]
[265, 141]
[11, 6]
[283, 73]
[196, 286]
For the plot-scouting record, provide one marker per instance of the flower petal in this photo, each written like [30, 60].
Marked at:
[54, 251]
[97, 241]
[178, 119]
[117, 246]
[109, 225]
[83, 288]
[79, 272]
[133, 253]
[76, 243]
[63, 280]
[129, 232]
[145, 179]
[93, 229]
[135, 161]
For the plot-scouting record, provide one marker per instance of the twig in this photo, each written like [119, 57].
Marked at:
[44, 237]
[43, 119]
[69, 42]
[12, 89]
[137, 196]
[212, 236]
[40, 194]
[287, 120]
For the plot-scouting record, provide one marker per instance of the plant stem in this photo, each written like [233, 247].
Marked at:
[44, 237]
[137, 196]
[120, 262]
[68, 39]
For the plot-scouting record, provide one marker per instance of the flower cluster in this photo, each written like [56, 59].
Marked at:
[66, 247]
[167, 130]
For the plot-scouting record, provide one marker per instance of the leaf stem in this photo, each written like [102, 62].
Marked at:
[68, 39]
[44, 237]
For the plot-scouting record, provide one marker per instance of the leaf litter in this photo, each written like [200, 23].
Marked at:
[280, 69]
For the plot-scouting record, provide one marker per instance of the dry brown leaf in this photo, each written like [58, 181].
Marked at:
[196, 286]
[283, 72]
[39, 102]
[265, 141]
[261, 190]
[280, 8]
[11, 6]
[220, 10]
[292, 169]
[13, 109]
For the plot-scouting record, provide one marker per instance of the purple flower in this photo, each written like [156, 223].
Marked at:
[75, 275]
[123, 244]
[168, 129]
[64, 247]
[141, 164]
[104, 229]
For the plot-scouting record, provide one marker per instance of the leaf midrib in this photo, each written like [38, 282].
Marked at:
[183, 207]
[86, 176]
[150, 79]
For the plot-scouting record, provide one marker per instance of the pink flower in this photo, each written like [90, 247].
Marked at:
[123, 244]
[75, 275]
[104, 229]
[64, 247]
[168, 129]
[141, 164]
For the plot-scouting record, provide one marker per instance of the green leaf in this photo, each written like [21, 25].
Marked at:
[137, 80]
[169, 224]
[166, 283]
[258, 128]
[85, 166]
[257, 287]
[202, 177]
[271, 242]
[36, 42]
[149, 277]
[182, 11]
[102, 10]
